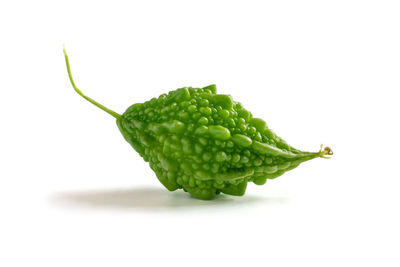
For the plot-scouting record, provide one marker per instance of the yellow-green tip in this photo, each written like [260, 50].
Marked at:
[324, 152]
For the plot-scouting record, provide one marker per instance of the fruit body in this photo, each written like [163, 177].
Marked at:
[204, 143]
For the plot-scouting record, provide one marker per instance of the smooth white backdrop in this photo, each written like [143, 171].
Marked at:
[74, 193]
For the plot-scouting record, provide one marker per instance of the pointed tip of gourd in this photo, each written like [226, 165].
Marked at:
[324, 152]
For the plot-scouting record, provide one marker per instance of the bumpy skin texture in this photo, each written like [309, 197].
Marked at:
[203, 142]
[206, 143]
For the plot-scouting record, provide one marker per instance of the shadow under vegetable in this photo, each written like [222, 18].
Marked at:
[150, 199]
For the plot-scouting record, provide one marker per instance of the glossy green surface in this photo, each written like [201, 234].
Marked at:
[205, 143]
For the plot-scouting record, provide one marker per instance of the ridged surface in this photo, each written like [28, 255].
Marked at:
[206, 143]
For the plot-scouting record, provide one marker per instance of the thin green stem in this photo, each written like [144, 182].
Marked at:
[109, 111]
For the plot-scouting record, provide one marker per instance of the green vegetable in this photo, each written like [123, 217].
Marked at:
[204, 143]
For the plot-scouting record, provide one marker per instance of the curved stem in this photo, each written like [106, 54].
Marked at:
[109, 111]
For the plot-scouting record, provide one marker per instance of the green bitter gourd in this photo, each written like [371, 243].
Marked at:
[203, 142]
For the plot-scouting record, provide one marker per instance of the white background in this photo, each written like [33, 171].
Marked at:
[74, 193]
